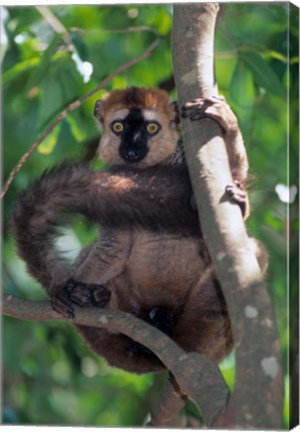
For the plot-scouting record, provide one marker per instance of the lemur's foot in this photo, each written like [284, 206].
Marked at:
[215, 108]
[62, 303]
[84, 295]
[238, 195]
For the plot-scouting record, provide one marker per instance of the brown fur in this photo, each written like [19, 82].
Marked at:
[151, 260]
[153, 99]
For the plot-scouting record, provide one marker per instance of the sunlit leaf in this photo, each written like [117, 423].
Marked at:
[294, 60]
[76, 130]
[49, 143]
[276, 55]
[120, 82]
[18, 69]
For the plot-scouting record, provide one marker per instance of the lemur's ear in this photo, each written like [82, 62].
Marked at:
[98, 111]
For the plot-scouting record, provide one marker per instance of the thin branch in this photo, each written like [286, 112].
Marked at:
[196, 375]
[55, 23]
[137, 29]
[72, 107]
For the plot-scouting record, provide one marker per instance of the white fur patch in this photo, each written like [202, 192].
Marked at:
[118, 115]
[150, 115]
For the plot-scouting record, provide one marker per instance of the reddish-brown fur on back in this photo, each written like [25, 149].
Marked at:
[141, 98]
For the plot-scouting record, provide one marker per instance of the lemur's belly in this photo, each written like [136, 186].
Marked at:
[163, 266]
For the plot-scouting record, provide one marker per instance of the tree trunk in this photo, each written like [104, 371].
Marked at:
[257, 399]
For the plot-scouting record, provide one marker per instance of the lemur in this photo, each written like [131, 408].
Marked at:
[151, 259]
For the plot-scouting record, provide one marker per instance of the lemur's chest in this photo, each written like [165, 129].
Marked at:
[163, 264]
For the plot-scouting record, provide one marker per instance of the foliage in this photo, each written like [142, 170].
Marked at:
[50, 376]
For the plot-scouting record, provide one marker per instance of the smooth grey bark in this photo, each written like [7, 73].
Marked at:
[257, 399]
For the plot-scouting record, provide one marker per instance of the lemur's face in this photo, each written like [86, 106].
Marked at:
[137, 136]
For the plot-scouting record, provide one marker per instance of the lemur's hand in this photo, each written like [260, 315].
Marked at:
[215, 108]
[74, 292]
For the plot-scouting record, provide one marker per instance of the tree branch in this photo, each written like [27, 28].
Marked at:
[72, 107]
[258, 394]
[138, 29]
[56, 24]
[195, 374]
[165, 410]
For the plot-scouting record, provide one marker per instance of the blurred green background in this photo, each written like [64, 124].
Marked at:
[49, 376]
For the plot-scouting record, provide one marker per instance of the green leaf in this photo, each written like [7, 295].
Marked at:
[276, 55]
[241, 87]
[49, 143]
[59, 88]
[242, 96]
[52, 99]
[80, 46]
[75, 128]
[42, 69]
[18, 69]
[263, 74]
[294, 60]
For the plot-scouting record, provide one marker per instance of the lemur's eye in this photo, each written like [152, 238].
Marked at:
[117, 127]
[152, 128]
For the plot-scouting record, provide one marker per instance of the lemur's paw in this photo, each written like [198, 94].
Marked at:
[237, 195]
[62, 303]
[215, 108]
[81, 294]
[100, 295]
